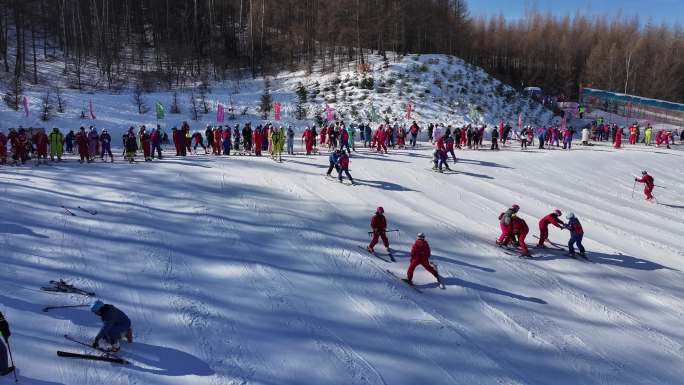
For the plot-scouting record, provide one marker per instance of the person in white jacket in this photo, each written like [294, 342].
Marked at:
[585, 136]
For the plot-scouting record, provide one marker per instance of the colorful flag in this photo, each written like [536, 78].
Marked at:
[26, 107]
[409, 108]
[276, 110]
[92, 112]
[220, 113]
[520, 121]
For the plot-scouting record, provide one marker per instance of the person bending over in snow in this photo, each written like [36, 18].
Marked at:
[420, 255]
[576, 235]
[505, 222]
[5, 368]
[520, 230]
[117, 325]
[379, 227]
[551, 219]
[649, 184]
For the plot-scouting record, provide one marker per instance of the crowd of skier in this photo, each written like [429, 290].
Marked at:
[90, 144]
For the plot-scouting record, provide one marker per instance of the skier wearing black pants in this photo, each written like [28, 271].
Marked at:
[495, 139]
[5, 368]
[334, 159]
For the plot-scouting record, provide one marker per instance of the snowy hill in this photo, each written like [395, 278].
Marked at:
[439, 88]
[241, 270]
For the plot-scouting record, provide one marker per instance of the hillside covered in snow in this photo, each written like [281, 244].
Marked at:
[439, 88]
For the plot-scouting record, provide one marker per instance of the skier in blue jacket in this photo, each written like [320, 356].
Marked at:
[576, 235]
[334, 159]
[116, 325]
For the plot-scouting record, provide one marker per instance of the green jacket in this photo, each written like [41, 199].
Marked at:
[278, 138]
[56, 139]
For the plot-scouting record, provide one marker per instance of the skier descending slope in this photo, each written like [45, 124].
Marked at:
[116, 325]
[420, 255]
[551, 219]
[649, 185]
[505, 222]
[576, 235]
[379, 226]
[439, 159]
[519, 229]
[334, 159]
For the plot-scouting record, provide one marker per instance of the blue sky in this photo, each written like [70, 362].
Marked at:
[668, 11]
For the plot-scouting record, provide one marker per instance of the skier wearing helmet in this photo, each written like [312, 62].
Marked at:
[116, 325]
[649, 184]
[576, 235]
[551, 219]
[379, 227]
[420, 255]
[505, 222]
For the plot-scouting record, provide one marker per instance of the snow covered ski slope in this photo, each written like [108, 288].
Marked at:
[241, 270]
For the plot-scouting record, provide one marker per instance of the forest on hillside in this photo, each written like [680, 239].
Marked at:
[170, 43]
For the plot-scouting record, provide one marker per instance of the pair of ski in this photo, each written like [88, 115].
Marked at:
[69, 212]
[62, 286]
[559, 247]
[103, 355]
[331, 178]
[391, 274]
[440, 284]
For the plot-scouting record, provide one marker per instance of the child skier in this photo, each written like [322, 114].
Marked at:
[420, 255]
[649, 183]
[116, 325]
[551, 219]
[576, 235]
[379, 227]
[5, 368]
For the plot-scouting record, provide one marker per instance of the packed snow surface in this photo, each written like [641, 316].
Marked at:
[242, 270]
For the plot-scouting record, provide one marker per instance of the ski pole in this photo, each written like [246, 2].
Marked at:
[387, 231]
[633, 188]
[48, 308]
[9, 349]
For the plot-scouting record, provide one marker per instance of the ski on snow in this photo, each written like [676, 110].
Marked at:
[89, 211]
[67, 211]
[391, 274]
[105, 356]
[63, 287]
[376, 255]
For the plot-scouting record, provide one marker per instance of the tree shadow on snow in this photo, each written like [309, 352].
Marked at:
[32, 381]
[76, 315]
[461, 263]
[672, 206]
[166, 361]
[453, 281]
[483, 176]
[12, 228]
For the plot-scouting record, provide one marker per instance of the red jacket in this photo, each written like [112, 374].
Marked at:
[380, 135]
[344, 162]
[41, 141]
[519, 226]
[648, 180]
[378, 222]
[440, 143]
[82, 140]
[551, 219]
[217, 137]
[420, 250]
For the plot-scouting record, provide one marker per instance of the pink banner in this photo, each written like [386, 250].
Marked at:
[564, 123]
[220, 113]
[520, 121]
[409, 109]
[26, 107]
[92, 112]
[328, 113]
[276, 109]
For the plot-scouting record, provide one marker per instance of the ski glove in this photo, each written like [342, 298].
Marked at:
[4, 328]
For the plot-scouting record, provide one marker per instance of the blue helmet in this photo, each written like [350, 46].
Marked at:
[97, 306]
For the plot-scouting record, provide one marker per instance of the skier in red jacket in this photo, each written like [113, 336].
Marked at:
[520, 230]
[82, 142]
[309, 140]
[379, 226]
[380, 138]
[551, 219]
[40, 139]
[649, 182]
[420, 255]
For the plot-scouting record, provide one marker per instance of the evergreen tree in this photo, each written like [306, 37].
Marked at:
[13, 95]
[301, 100]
